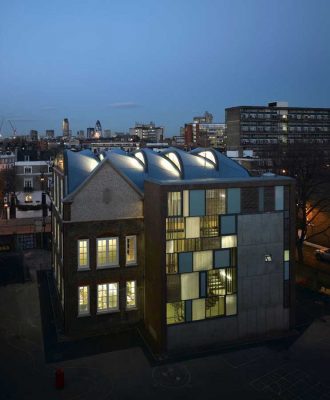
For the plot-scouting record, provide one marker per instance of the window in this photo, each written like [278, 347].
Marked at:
[196, 202]
[202, 260]
[190, 286]
[234, 200]
[27, 170]
[174, 204]
[198, 309]
[130, 250]
[171, 263]
[279, 198]
[107, 297]
[228, 241]
[210, 226]
[28, 183]
[107, 252]
[215, 201]
[175, 228]
[83, 251]
[175, 312]
[83, 301]
[26, 158]
[28, 198]
[286, 255]
[131, 294]
[192, 227]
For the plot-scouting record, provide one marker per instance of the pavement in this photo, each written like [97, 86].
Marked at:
[277, 370]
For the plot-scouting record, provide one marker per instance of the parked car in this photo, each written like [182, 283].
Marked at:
[322, 254]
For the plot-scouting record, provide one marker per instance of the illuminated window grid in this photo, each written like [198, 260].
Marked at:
[171, 263]
[130, 294]
[215, 201]
[209, 226]
[83, 261]
[130, 250]
[107, 252]
[175, 228]
[174, 206]
[107, 297]
[83, 305]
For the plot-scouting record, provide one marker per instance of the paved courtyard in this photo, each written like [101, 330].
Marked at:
[272, 371]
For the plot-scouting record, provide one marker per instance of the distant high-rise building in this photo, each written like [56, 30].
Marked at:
[50, 133]
[148, 132]
[66, 127]
[207, 118]
[33, 135]
[90, 133]
[80, 134]
[107, 133]
[98, 130]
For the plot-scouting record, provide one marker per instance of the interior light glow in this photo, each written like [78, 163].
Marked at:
[134, 163]
[175, 159]
[168, 166]
[204, 162]
[140, 156]
[209, 155]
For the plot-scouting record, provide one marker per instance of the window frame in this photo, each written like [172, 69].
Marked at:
[79, 267]
[108, 264]
[108, 309]
[133, 262]
[134, 307]
[87, 313]
[27, 170]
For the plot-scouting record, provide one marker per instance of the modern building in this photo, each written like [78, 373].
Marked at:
[98, 130]
[66, 128]
[259, 127]
[33, 135]
[90, 133]
[148, 132]
[186, 246]
[205, 133]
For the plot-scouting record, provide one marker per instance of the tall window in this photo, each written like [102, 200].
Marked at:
[131, 294]
[28, 183]
[174, 204]
[83, 252]
[107, 297]
[83, 301]
[107, 252]
[27, 170]
[215, 201]
[130, 250]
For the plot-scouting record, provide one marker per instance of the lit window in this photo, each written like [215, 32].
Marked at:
[175, 160]
[190, 286]
[28, 198]
[83, 251]
[107, 297]
[268, 257]
[202, 260]
[215, 201]
[107, 252]
[214, 306]
[228, 241]
[131, 294]
[198, 309]
[192, 227]
[130, 250]
[209, 155]
[83, 301]
[174, 203]
[175, 312]
[286, 255]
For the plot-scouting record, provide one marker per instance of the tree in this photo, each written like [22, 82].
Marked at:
[309, 165]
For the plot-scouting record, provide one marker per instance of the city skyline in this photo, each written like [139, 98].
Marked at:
[162, 62]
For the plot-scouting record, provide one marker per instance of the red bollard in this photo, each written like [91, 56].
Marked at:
[59, 378]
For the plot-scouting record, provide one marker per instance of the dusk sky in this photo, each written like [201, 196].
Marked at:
[122, 61]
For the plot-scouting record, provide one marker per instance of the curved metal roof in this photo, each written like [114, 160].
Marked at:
[171, 164]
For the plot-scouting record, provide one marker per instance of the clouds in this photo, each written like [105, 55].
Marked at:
[124, 105]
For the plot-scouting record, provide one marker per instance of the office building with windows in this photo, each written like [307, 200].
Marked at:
[259, 127]
[187, 246]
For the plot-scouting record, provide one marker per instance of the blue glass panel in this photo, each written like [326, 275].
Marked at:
[228, 224]
[188, 310]
[234, 200]
[196, 203]
[202, 284]
[185, 262]
[222, 258]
